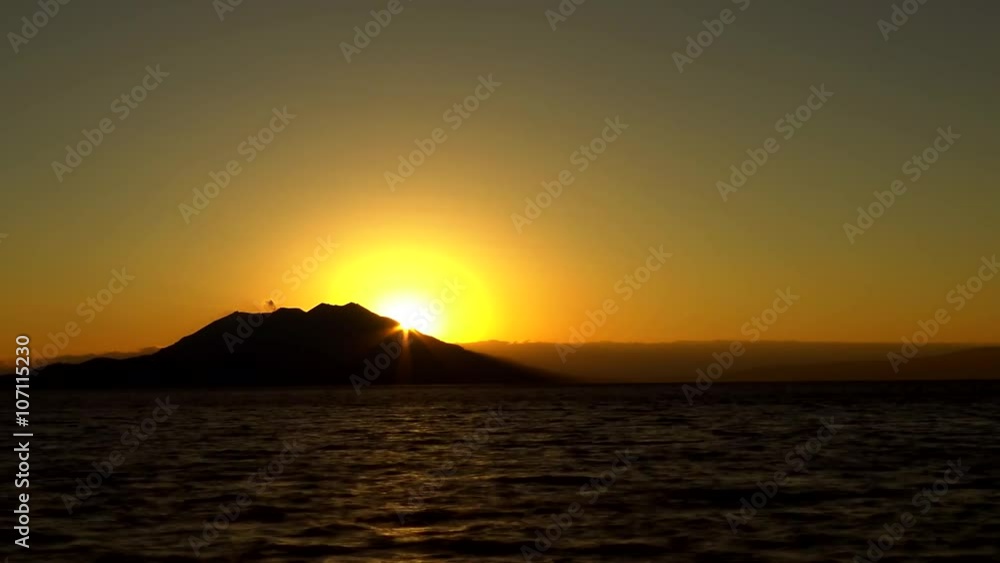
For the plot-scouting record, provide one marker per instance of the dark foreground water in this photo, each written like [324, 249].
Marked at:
[630, 473]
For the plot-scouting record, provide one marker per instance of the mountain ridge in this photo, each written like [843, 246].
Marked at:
[327, 345]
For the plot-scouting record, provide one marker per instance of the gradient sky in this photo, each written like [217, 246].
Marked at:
[324, 174]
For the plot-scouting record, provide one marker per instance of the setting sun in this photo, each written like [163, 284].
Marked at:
[410, 312]
[440, 293]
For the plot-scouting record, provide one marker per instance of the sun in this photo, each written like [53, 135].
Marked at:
[439, 293]
[411, 312]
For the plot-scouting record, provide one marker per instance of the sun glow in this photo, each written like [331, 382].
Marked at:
[409, 312]
[431, 292]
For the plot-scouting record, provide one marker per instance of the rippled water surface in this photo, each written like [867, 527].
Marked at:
[478, 474]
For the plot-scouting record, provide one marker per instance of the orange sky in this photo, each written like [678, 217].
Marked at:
[313, 144]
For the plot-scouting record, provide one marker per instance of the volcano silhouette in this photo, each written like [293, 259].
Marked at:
[328, 345]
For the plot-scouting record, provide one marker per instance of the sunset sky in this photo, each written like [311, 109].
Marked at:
[317, 196]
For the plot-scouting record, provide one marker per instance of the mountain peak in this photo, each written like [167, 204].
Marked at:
[328, 345]
[350, 314]
[352, 307]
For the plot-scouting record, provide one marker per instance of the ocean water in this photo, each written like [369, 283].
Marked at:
[583, 474]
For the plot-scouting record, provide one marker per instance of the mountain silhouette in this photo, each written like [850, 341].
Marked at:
[328, 345]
